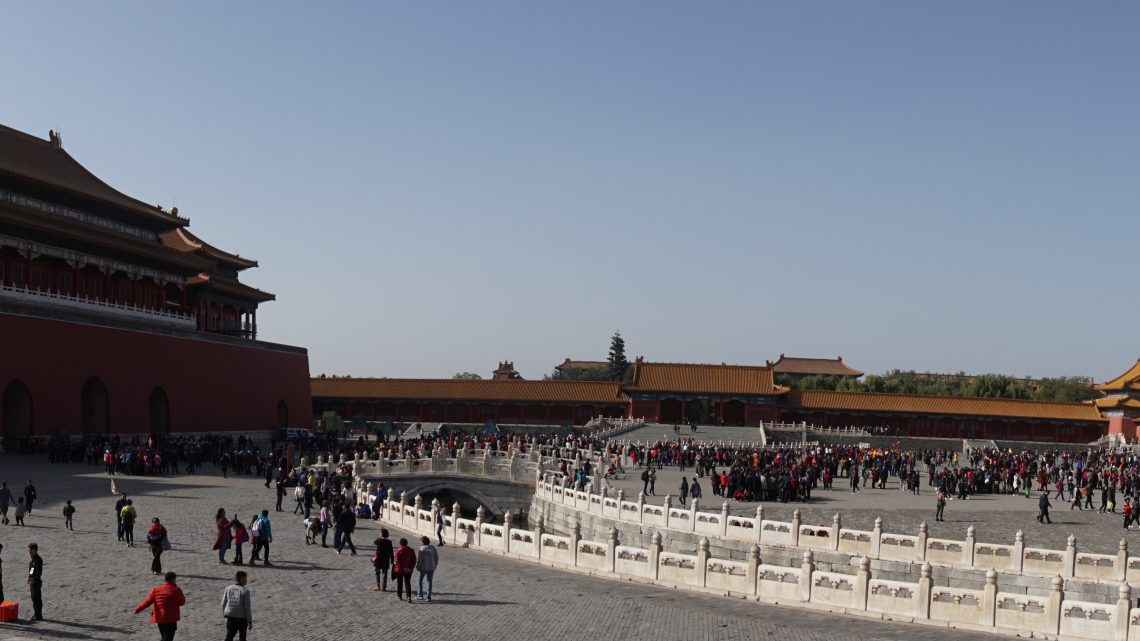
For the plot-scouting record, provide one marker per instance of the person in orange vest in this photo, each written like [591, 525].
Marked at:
[167, 600]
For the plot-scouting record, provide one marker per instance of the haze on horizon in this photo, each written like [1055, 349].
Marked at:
[433, 188]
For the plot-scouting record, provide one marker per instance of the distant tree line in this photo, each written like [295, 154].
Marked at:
[1070, 389]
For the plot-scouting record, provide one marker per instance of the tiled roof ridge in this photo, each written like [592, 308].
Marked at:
[151, 209]
[194, 239]
[738, 366]
[464, 380]
[938, 396]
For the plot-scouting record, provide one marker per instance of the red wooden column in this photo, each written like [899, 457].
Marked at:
[134, 292]
[658, 410]
[108, 286]
[75, 279]
[548, 415]
[28, 270]
[684, 411]
[719, 412]
[183, 298]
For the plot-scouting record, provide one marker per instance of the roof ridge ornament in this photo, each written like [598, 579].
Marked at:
[55, 138]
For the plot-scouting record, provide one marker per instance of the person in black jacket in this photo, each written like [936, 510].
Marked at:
[29, 495]
[382, 560]
[1044, 505]
[345, 524]
[36, 581]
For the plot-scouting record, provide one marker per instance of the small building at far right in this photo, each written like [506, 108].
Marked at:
[1121, 402]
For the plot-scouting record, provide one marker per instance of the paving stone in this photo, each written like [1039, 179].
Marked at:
[93, 582]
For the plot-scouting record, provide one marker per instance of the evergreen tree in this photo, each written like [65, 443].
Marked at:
[617, 359]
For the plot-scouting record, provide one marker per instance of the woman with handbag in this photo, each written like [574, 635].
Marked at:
[222, 537]
[157, 539]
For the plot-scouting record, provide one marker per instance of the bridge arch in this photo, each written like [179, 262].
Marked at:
[459, 491]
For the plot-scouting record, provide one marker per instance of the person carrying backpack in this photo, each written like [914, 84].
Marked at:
[262, 534]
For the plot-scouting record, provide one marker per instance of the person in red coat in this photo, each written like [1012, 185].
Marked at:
[167, 600]
[405, 563]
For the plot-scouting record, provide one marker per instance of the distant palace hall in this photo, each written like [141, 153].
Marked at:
[729, 395]
[115, 318]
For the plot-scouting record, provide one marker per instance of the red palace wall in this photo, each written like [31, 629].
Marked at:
[210, 386]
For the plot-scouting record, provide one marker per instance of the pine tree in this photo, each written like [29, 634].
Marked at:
[618, 361]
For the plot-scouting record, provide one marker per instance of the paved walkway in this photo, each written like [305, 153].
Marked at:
[93, 582]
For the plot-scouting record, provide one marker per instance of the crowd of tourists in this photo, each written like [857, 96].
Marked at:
[324, 498]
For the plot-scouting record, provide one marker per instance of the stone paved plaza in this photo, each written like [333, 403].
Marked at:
[92, 582]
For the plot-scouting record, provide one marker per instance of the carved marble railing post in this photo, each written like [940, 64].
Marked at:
[703, 562]
[611, 550]
[1053, 607]
[989, 598]
[480, 514]
[665, 505]
[455, 514]
[1018, 551]
[1123, 611]
[877, 538]
[925, 587]
[419, 505]
[575, 537]
[836, 527]
[795, 528]
[514, 466]
[539, 530]
[1070, 556]
[862, 583]
[759, 524]
[968, 548]
[403, 502]
[1122, 561]
[641, 507]
[694, 506]
[459, 456]
[724, 520]
[486, 462]
[920, 544]
[805, 576]
[507, 531]
[753, 568]
[655, 555]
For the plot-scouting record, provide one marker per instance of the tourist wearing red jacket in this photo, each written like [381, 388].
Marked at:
[167, 599]
[405, 563]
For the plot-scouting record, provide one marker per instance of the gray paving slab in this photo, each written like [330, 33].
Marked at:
[92, 582]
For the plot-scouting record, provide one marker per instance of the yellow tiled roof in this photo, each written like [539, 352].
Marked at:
[691, 378]
[516, 391]
[821, 366]
[1126, 381]
[1111, 402]
[943, 405]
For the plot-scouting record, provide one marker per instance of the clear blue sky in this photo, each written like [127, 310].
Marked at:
[433, 187]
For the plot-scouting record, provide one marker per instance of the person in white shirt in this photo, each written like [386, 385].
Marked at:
[237, 608]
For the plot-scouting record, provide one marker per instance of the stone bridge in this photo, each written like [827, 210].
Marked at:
[499, 482]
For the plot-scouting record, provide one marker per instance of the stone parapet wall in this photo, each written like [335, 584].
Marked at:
[731, 535]
[1001, 603]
